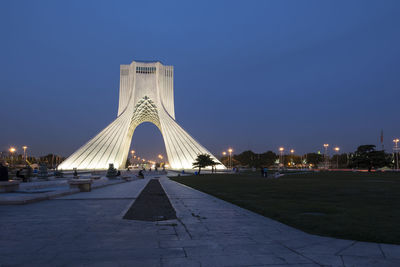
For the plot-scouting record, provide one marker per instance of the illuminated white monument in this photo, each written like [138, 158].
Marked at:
[146, 94]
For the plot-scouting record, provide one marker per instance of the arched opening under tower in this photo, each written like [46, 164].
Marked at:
[148, 146]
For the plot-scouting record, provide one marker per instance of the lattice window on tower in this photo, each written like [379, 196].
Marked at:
[146, 70]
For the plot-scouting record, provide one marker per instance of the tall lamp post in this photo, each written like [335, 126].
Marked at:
[12, 151]
[292, 153]
[337, 156]
[396, 151]
[326, 155]
[132, 152]
[281, 149]
[223, 155]
[230, 150]
[25, 155]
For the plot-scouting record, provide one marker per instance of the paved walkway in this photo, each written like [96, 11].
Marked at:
[86, 229]
[38, 191]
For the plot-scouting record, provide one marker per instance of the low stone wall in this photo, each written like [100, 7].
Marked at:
[9, 186]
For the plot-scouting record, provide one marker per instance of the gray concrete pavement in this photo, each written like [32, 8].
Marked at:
[44, 190]
[86, 229]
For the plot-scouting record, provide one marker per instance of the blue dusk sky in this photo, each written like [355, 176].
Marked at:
[248, 74]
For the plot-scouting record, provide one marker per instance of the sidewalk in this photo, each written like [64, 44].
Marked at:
[223, 234]
[87, 229]
[44, 190]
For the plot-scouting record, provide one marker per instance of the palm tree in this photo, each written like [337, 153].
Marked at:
[202, 161]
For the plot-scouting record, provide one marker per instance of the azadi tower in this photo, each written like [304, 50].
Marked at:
[146, 94]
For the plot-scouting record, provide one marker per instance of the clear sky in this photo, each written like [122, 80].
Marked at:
[248, 74]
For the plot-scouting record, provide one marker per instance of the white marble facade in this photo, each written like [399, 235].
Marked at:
[146, 94]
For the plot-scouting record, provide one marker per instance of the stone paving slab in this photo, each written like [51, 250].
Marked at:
[87, 229]
[51, 189]
[43, 184]
[25, 198]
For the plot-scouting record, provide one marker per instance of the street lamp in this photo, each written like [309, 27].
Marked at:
[25, 155]
[292, 153]
[223, 155]
[326, 155]
[12, 150]
[396, 151]
[337, 156]
[230, 150]
[281, 149]
[132, 152]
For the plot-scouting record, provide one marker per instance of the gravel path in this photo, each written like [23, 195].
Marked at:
[151, 205]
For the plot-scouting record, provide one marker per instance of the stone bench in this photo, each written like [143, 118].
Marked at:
[9, 186]
[84, 185]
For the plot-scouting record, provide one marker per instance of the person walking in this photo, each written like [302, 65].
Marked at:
[140, 174]
[265, 172]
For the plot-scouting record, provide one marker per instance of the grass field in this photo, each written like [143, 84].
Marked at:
[360, 206]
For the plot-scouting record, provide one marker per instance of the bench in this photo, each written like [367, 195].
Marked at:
[9, 186]
[95, 177]
[84, 185]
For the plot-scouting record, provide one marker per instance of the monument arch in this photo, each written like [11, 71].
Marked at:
[146, 94]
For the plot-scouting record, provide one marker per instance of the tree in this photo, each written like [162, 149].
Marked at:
[314, 158]
[367, 157]
[360, 158]
[250, 159]
[267, 159]
[202, 161]
[292, 159]
[341, 160]
[247, 158]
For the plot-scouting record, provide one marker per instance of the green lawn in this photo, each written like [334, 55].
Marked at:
[360, 206]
